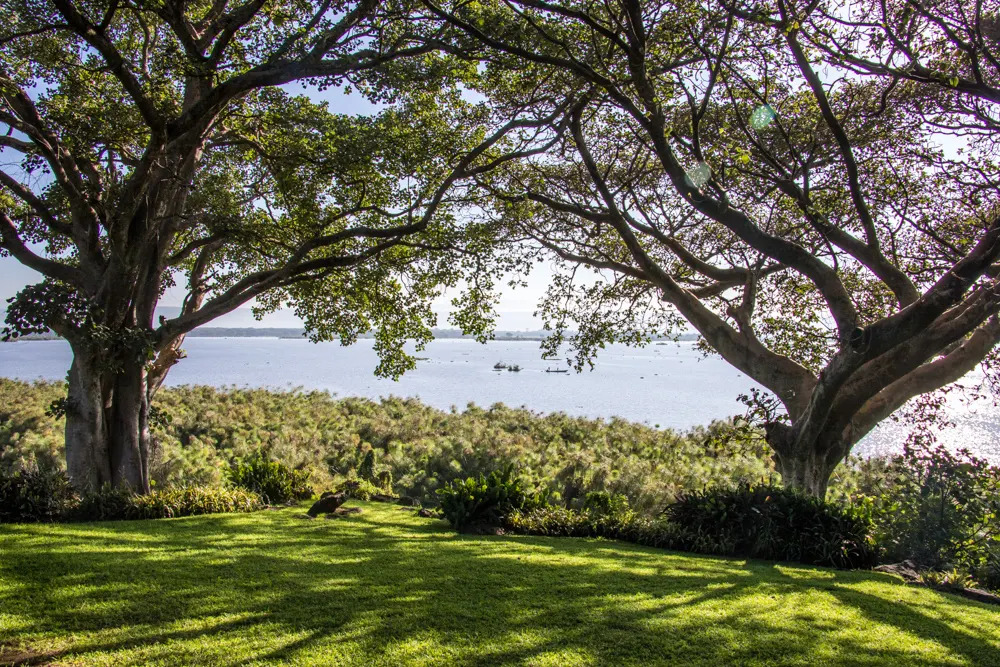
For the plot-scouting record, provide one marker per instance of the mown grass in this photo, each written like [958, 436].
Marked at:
[387, 587]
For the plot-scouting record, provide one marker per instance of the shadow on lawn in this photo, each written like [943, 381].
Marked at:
[374, 585]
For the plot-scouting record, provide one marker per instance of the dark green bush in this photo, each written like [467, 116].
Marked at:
[115, 504]
[941, 511]
[754, 522]
[30, 493]
[486, 499]
[272, 480]
[775, 524]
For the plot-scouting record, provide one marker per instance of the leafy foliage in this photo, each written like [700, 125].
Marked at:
[939, 510]
[776, 524]
[272, 480]
[754, 522]
[33, 493]
[486, 499]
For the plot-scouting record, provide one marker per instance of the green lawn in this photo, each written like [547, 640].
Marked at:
[386, 587]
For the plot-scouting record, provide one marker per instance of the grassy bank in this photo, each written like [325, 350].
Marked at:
[386, 587]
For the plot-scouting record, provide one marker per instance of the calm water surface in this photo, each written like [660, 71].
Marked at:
[669, 385]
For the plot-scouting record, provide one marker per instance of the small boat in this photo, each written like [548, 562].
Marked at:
[499, 366]
[557, 370]
[514, 368]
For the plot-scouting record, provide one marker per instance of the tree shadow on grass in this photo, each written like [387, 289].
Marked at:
[387, 587]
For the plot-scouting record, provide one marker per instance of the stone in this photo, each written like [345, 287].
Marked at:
[328, 503]
[905, 569]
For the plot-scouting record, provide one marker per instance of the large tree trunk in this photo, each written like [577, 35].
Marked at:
[808, 472]
[107, 424]
[87, 460]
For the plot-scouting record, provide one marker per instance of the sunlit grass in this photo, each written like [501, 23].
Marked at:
[386, 587]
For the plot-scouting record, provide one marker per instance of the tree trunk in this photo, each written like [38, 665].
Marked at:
[808, 472]
[107, 424]
[87, 460]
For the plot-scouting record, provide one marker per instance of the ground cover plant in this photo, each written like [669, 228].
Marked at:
[387, 587]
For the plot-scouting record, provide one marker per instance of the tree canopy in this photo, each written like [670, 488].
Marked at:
[777, 175]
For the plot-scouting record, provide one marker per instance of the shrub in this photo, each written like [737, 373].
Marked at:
[625, 525]
[486, 499]
[775, 524]
[31, 493]
[941, 511]
[755, 522]
[273, 481]
[112, 504]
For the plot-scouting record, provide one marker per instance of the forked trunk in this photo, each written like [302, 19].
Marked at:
[107, 424]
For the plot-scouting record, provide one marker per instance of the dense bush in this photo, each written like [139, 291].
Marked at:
[486, 499]
[113, 504]
[941, 511]
[754, 522]
[773, 523]
[272, 480]
[31, 493]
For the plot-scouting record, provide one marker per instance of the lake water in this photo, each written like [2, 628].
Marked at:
[665, 385]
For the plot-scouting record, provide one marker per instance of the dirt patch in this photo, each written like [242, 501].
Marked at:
[15, 656]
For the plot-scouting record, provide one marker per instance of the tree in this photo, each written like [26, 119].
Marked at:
[771, 174]
[153, 144]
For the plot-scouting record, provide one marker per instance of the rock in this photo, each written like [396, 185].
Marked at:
[906, 569]
[328, 503]
[383, 498]
[426, 513]
[977, 594]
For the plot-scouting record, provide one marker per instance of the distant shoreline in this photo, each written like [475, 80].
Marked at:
[299, 334]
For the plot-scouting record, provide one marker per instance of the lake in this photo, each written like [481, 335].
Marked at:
[664, 385]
